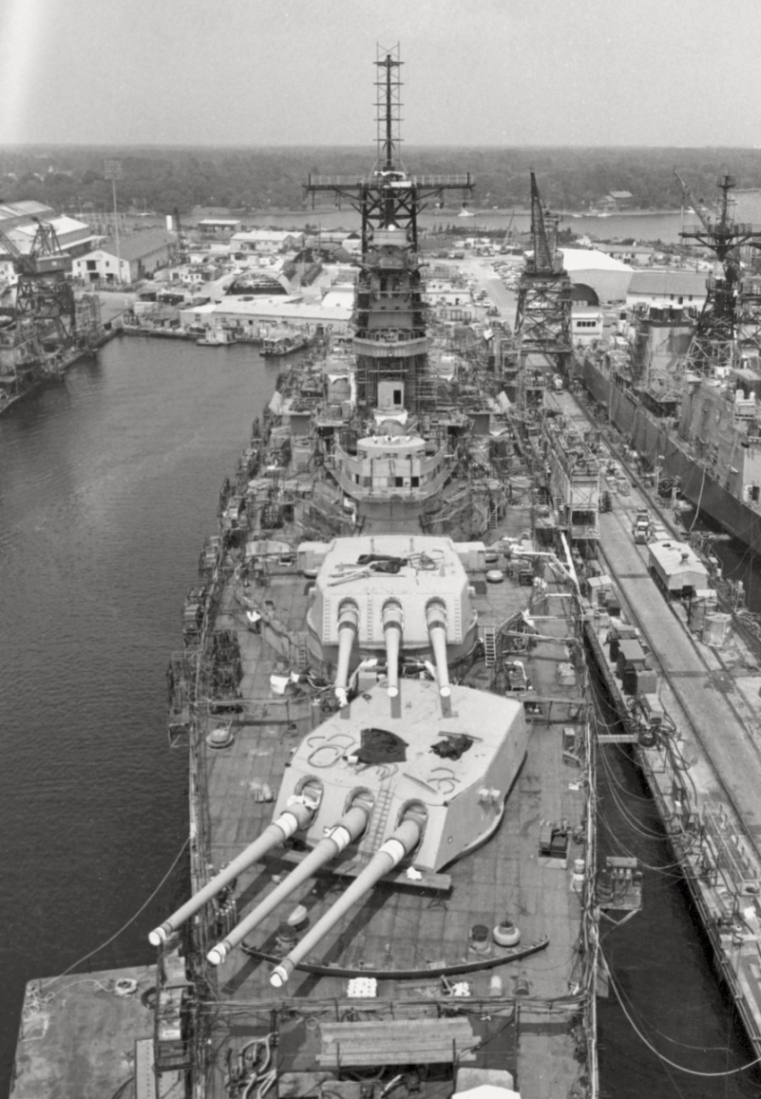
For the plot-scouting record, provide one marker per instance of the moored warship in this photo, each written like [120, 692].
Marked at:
[684, 388]
[383, 691]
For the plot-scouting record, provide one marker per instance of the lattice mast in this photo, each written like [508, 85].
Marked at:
[543, 314]
[390, 337]
[729, 315]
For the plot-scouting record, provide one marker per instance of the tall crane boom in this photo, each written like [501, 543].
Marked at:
[543, 252]
[702, 210]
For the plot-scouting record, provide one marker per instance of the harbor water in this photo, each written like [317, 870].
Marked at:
[108, 486]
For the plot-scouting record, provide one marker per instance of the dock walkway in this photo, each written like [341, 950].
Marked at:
[715, 697]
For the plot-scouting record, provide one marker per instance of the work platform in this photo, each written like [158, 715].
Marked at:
[703, 770]
[90, 1036]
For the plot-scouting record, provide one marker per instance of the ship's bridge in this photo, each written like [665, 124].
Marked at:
[386, 465]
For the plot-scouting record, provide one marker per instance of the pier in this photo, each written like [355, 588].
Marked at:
[703, 773]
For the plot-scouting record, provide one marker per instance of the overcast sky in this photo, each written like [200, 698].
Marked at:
[290, 72]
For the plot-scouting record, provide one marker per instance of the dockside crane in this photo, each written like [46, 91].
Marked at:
[543, 314]
[43, 318]
[731, 316]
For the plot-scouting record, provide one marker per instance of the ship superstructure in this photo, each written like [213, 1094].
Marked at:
[380, 436]
[686, 389]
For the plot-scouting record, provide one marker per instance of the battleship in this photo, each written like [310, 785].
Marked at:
[383, 695]
[383, 691]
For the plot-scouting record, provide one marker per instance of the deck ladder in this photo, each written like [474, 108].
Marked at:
[490, 646]
[371, 840]
[300, 652]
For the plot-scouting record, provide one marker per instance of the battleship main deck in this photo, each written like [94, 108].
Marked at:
[427, 944]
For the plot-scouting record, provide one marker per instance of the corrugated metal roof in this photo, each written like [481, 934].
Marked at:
[669, 282]
[139, 245]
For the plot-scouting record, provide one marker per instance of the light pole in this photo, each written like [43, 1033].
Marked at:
[658, 460]
[113, 171]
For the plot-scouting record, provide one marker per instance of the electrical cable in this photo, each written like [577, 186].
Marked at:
[130, 921]
[661, 1056]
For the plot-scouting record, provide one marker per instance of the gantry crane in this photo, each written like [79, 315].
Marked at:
[730, 316]
[43, 318]
[543, 314]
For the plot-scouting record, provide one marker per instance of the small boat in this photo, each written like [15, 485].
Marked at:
[284, 342]
[216, 337]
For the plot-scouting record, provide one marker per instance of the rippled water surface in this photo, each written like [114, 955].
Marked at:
[108, 486]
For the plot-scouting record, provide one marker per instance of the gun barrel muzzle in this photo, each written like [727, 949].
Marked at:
[349, 828]
[385, 859]
[295, 817]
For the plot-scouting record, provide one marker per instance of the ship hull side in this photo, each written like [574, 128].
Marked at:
[651, 439]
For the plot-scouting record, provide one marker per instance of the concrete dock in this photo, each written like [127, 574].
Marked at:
[90, 1036]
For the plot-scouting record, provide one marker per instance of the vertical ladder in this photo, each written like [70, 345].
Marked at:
[372, 838]
[300, 652]
[490, 646]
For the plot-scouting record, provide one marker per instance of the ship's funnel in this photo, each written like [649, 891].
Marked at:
[297, 816]
[348, 621]
[436, 620]
[385, 859]
[392, 634]
[345, 832]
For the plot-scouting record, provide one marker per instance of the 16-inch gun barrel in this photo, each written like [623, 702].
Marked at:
[436, 620]
[349, 828]
[297, 816]
[348, 622]
[392, 635]
[385, 859]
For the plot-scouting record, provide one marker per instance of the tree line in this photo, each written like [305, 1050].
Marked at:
[159, 179]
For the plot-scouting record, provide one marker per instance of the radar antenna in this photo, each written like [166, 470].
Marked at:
[728, 317]
[390, 339]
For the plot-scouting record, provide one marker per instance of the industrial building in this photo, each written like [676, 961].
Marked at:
[133, 259]
[668, 288]
[252, 317]
[266, 241]
[599, 277]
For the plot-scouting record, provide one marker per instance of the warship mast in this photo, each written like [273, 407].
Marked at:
[731, 315]
[390, 339]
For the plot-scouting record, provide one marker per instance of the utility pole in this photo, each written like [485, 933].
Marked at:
[113, 171]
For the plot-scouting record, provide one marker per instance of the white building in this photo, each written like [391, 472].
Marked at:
[135, 257]
[602, 278]
[254, 317]
[668, 288]
[266, 241]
